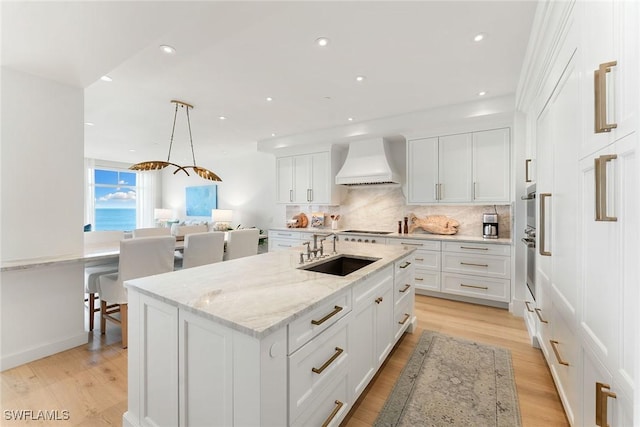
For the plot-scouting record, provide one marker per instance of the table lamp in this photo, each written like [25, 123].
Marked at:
[221, 218]
[163, 216]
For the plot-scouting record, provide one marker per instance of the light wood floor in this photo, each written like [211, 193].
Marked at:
[90, 381]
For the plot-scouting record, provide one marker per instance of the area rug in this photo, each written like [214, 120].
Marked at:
[453, 382]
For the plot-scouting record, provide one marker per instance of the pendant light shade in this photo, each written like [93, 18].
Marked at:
[159, 164]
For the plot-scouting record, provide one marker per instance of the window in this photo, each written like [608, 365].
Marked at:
[114, 200]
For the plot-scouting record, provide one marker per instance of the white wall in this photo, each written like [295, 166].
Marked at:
[247, 188]
[42, 167]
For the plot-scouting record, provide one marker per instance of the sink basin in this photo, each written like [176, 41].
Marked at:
[340, 266]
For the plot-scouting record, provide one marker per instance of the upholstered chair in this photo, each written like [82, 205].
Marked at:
[242, 243]
[202, 248]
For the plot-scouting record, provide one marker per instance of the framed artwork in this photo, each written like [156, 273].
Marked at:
[201, 200]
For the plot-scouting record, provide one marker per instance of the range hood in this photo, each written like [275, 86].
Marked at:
[367, 163]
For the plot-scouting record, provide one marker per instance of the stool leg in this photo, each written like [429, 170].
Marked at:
[92, 311]
[103, 320]
[124, 324]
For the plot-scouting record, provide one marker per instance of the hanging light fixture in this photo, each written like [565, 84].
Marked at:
[159, 164]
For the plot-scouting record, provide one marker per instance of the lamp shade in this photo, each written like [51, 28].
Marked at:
[221, 215]
[163, 214]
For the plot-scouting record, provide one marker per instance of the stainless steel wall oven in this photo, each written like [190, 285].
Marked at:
[529, 238]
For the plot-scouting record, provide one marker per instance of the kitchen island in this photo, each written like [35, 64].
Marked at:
[261, 341]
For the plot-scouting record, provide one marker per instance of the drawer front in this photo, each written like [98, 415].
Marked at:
[330, 406]
[476, 287]
[477, 248]
[284, 234]
[317, 364]
[404, 286]
[404, 266]
[277, 244]
[317, 320]
[403, 313]
[490, 266]
[432, 245]
[427, 279]
[308, 237]
[427, 259]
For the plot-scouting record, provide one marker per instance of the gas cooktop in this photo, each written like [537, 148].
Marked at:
[366, 232]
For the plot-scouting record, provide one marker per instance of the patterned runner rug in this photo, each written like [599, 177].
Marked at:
[453, 382]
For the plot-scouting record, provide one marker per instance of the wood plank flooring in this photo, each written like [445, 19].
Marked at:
[90, 381]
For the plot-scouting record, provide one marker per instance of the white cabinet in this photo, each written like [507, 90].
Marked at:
[281, 240]
[307, 178]
[491, 166]
[427, 261]
[372, 328]
[460, 168]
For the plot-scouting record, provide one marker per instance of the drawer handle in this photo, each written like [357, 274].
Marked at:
[419, 279]
[554, 344]
[337, 309]
[378, 300]
[411, 244]
[419, 259]
[473, 264]
[474, 249]
[326, 364]
[405, 289]
[538, 311]
[333, 414]
[406, 317]
[603, 392]
[284, 246]
[405, 265]
[528, 306]
[474, 286]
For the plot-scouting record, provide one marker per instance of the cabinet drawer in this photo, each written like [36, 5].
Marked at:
[403, 287]
[427, 279]
[404, 266]
[330, 406]
[432, 245]
[476, 248]
[317, 320]
[564, 362]
[315, 365]
[427, 259]
[284, 234]
[490, 266]
[276, 244]
[477, 287]
[402, 315]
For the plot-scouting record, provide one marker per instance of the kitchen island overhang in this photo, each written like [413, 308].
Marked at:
[233, 323]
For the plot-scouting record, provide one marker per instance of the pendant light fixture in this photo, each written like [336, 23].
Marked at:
[159, 164]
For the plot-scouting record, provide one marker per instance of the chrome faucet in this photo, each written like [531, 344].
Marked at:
[315, 241]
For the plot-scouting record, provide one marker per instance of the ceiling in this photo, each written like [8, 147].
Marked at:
[231, 56]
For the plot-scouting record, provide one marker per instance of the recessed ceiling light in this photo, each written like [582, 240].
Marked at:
[222, 117]
[479, 37]
[132, 151]
[483, 93]
[167, 49]
[88, 124]
[273, 134]
[350, 119]
[322, 41]
[106, 78]
[360, 78]
[269, 99]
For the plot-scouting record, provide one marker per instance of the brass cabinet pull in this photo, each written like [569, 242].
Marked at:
[440, 191]
[405, 265]
[474, 249]
[474, 286]
[538, 311]
[600, 169]
[405, 289]
[554, 346]
[475, 265]
[378, 300]
[336, 309]
[527, 163]
[326, 364]
[419, 279]
[419, 259]
[600, 97]
[543, 231]
[603, 392]
[291, 195]
[406, 317]
[435, 192]
[528, 306]
[333, 413]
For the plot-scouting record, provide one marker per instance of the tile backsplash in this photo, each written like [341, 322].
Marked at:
[380, 208]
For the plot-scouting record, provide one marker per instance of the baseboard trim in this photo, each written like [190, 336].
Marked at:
[29, 355]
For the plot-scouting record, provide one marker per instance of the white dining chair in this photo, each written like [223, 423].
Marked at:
[151, 231]
[139, 257]
[242, 243]
[92, 272]
[202, 248]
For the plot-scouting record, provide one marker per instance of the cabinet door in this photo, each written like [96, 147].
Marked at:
[320, 191]
[301, 178]
[422, 170]
[454, 168]
[491, 161]
[284, 178]
[384, 322]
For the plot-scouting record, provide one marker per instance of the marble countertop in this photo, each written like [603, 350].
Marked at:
[419, 236]
[259, 294]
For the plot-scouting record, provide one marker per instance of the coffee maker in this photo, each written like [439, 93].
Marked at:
[490, 226]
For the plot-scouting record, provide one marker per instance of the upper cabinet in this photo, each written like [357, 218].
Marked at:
[307, 178]
[462, 168]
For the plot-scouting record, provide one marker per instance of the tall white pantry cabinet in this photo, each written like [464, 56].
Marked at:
[581, 95]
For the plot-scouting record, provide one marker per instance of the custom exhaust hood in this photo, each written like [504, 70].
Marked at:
[368, 163]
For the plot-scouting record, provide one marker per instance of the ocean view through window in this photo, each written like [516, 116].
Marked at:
[115, 200]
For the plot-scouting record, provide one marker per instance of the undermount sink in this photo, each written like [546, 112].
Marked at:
[341, 266]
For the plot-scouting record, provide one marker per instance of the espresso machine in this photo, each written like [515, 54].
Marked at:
[490, 226]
